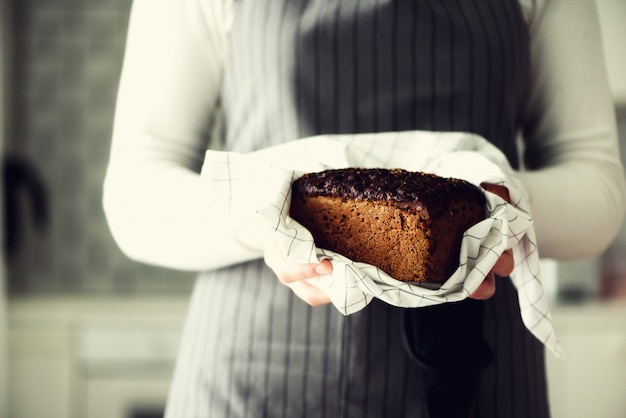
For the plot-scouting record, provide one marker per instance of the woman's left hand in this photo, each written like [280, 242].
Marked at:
[505, 264]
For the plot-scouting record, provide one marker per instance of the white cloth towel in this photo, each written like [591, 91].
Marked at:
[258, 189]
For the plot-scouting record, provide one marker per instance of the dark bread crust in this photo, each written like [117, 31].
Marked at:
[409, 224]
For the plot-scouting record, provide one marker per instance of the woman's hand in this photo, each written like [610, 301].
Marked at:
[296, 275]
[505, 264]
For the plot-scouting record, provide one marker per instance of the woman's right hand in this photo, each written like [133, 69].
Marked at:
[296, 275]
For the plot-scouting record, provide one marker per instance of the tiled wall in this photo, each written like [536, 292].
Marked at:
[68, 55]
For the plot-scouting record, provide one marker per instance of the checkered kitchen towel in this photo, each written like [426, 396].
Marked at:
[258, 189]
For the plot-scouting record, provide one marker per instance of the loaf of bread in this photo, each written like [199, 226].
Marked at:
[409, 224]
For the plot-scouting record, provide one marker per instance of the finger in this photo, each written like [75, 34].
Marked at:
[324, 268]
[505, 264]
[294, 272]
[309, 293]
[486, 289]
[497, 189]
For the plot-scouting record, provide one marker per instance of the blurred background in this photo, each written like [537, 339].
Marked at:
[85, 332]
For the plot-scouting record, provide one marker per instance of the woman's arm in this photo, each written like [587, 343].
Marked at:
[575, 178]
[156, 203]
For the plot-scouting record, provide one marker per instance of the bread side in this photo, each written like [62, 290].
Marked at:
[365, 215]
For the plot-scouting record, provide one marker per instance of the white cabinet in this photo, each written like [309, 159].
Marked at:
[591, 381]
[39, 367]
[82, 358]
[105, 358]
[123, 367]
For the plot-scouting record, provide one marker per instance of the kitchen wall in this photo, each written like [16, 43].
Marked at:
[66, 62]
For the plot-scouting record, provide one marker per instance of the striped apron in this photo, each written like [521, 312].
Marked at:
[304, 67]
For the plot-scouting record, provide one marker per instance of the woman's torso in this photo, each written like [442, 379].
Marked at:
[299, 68]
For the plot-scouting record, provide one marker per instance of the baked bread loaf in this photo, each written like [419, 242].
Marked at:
[409, 224]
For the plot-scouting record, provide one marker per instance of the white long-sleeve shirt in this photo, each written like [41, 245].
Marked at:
[156, 201]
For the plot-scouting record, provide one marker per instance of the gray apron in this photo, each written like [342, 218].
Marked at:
[304, 67]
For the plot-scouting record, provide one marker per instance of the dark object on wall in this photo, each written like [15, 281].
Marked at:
[147, 413]
[20, 178]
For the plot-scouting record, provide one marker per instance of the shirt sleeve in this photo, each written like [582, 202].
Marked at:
[574, 174]
[158, 206]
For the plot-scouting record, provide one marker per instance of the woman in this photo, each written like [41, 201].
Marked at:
[246, 75]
